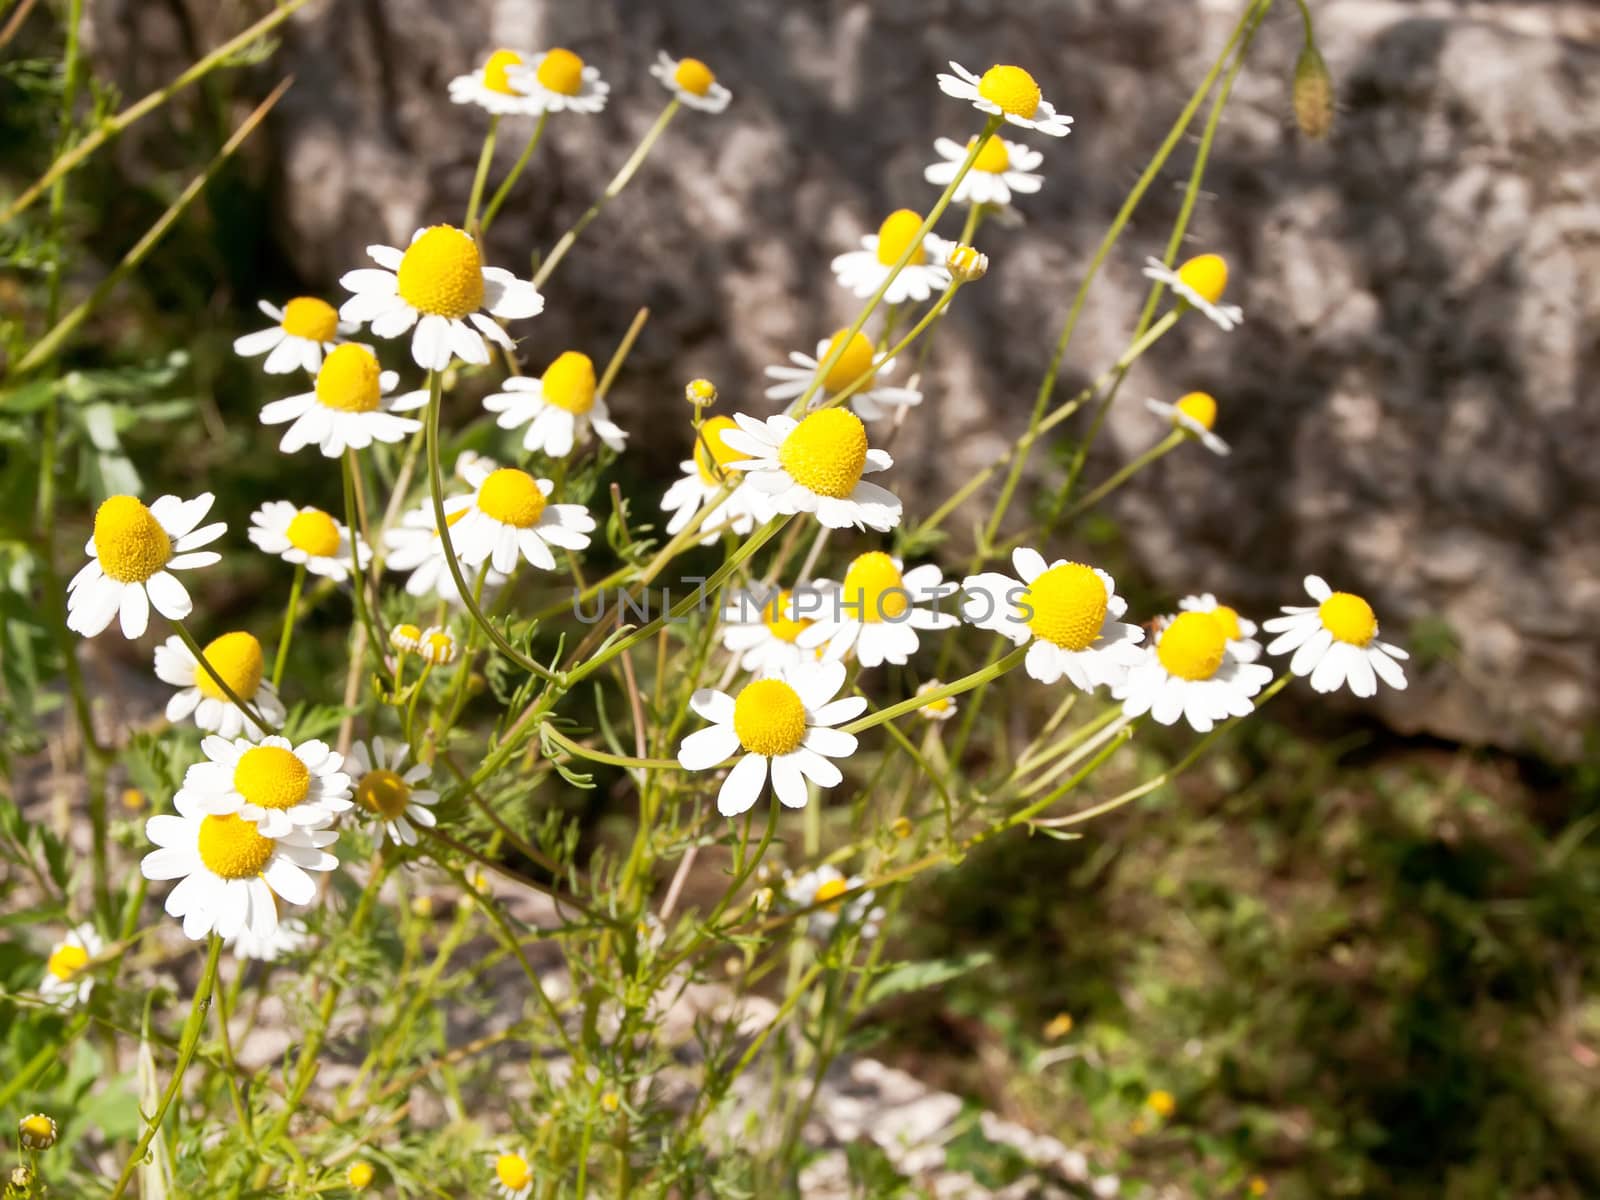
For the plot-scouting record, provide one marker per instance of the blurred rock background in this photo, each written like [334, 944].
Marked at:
[1412, 401]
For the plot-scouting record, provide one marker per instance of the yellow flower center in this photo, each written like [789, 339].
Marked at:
[693, 76]
[407, 635]
[495, 76]
[232, 847]
[349, 379]
[37, 1125]
[314, 531]
[855, 362]
[1349, 618]
[721, 454]
[1192, 646]
[1228, 618]
[66, 961]
[769, 718]
[512, 1169]
[237, 658]
[512, 496]
[384, 793]
[569, 382]
[310, 318]
[897, 233]
[941, 705]
[873, 589]
[993, 158]
[1011, 90]
[442, 272]
[271, 777]
[561, 71]
[777, 619]
[129, 541]
[830, 889]
[1162, 1103]
[1206, 276]
[1199, 407]
[826, 452]
[359, 1175]
[1069, 606]
[438, 648]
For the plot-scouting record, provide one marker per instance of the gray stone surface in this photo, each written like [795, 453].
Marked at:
[1411, 400]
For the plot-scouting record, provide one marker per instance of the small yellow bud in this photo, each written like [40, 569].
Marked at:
[1312, 93]
[134, 800]
[610, 1102]
[966, 264]
[1161, 1102]
[359, 1176]
[701, 393]
[422, 906]
[1058, 1026]
[36, 1131]
[901, 827]
[405, 638]
[1258, 1186]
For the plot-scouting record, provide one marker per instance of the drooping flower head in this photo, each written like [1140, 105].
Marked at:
[1195, 413]
[1199, 282]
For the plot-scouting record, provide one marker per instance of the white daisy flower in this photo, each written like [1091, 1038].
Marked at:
[941, 709]
[67, 982]
[780, 723]
[691, 81]
[1200, 282]
[815, 465]
[414, 546]
[1241, 634]
[491, 89]
[873, 401]
[132, 554]
[862, 272]
[826, 883]
[561, 82]
[467, 459]
[763, 632]
[876, 611]
[440, 285]
[306, 535]
[306, 329]
[560, 405]
[704, 476]
[238, 659]
[1188, 672]
[1195, 414]
[394, 798]
[349, 407]
[276, 786]
[229, 872]
[1336, 642]
[1001, 169]
[290, 937]
[513, 1176]
[1071, 612]
[509, 517]
[438, 646]
[1009, 92]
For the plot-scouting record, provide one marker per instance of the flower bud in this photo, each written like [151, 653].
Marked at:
[405, 637]
[901, 827]
[966, 264]
[359, 1176]
[1313, 94]
[701, 393]
[134, 800]
[36, 1131]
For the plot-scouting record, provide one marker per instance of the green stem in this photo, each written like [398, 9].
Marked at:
[485, 157]
[504, 189]
[602, 756]
[288, 624]
[965, 684]
[358, 573]
[1165, 446]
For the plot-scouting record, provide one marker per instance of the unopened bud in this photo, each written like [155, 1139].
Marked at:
[37, 1131]
[966, 264]
[701, 393]
[134, 800]
[901, 827]
[610, 1102]
[422, 906]
[22, 1178]
[1313, 94]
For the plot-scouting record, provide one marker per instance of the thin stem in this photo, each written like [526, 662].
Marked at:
[504, 189]
[288, 624]
[1165, 446]
[358, 574]
[603, 756]
[485, 157]
[965, 684]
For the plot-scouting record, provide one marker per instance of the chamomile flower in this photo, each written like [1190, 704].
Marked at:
[704, 477]
[290, 937]
[872, 401]
[238, 659]
[824, 885]
[509, 518]
[275, 785]
[1241, 634]
[815, 465]
[1070, 612]
[229, 873]
[440, 285]
[349, 407]
[941, 709]
[1336, 642]
[306, 535]
[132, 554]
[1188, 672]
[358, 1176]
[1194, 413]
[557, 407]
[405, 637]
[438, 647]
[763, 632]
[876, 611]
[36, 1131]
[1200, 283]
[562, 82]
[1001, 169]
[1009, 92]
[306, 329]
[513, 1176]
[691, 81]
[414, 546]
[783, 725]
[390, 795]
[491, 89]
[862, 272]
[67, 981]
